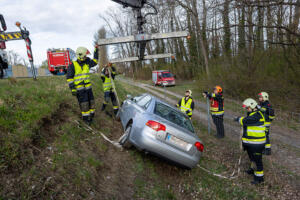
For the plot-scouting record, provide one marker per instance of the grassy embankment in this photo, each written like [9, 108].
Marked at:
[44, 154]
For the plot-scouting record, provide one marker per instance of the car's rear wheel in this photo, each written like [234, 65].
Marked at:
[124, 139]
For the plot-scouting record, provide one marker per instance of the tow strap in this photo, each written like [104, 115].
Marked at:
[88, 128]
[238, 164]
[232, 176]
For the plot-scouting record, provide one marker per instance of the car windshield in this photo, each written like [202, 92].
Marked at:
[167, 75]
[173, 116]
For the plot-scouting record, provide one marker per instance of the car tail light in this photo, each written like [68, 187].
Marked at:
[199, 146]
[156, 126]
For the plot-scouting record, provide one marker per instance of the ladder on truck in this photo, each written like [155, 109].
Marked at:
[23, 34]
[141, 38]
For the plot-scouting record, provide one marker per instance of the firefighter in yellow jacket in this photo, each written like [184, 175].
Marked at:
[79, 82]
[107, 77]
[186, 104]
[254, 138]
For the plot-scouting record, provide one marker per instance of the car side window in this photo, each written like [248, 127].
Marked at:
[144, 102]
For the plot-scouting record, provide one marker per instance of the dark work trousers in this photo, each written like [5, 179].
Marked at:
[218, 121]
[87, 103]
[268, 144]
[110, 96]
[255, 155]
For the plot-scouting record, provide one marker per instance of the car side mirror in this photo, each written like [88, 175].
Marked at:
[128, 96]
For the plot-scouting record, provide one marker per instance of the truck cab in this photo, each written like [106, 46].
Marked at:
[163, 78]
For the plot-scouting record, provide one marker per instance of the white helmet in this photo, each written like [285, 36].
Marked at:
[249, 103]
[82, 52]
[264, 95]
[190, 91]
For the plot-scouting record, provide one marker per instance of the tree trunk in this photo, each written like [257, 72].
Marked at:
[227, 33]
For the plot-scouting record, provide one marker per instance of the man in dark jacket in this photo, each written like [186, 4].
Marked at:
[217, 109]
[254, 138]
[79, 82]
[268, 111]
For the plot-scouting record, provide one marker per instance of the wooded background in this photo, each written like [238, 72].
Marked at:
[244, 45]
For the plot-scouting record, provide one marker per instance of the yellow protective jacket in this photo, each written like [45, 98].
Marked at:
[78, 72]
[186, 106]
[254, 128]
[107, 82]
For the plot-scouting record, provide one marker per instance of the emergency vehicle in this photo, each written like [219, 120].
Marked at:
[163, 78]
[59, 60]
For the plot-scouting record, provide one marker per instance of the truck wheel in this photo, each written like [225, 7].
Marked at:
[124, 139]
[54, 72]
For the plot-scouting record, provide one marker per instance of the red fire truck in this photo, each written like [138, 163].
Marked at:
[163, 78]
[59, 60]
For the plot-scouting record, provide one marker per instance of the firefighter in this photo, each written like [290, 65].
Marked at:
[217, 109]
[254, 138]
[3, 65]
[109, 93]
[80, 84]
[268, 111]
[186, 104]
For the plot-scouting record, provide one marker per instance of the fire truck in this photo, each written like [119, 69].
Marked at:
[59, 60]
[163, 78]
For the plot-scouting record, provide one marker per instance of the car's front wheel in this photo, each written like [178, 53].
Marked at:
[124, 139]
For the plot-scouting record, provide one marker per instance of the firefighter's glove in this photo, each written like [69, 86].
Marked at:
[258, 107]
[187, 112]
[74, 92]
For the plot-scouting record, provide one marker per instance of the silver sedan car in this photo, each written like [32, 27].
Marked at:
[156, 127]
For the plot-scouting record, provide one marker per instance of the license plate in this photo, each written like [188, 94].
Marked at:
[161, 135]
[178, 142]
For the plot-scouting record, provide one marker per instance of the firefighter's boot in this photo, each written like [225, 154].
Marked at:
[116, 111]
[257, 180]
[250, 171]
[87, 121]
[268, 151]
[103, 107]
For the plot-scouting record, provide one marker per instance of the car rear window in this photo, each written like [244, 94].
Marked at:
[144, 102]
[173, 116]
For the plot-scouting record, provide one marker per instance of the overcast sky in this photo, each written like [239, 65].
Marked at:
[54, 23]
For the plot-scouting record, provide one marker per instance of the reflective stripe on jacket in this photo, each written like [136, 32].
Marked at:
[254, 128]
[82, 76]
[107, 84]
[216, 104]
[186, 106]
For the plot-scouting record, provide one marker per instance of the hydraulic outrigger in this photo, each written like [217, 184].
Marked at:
[141, 38]
[23, 34]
